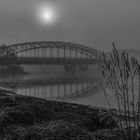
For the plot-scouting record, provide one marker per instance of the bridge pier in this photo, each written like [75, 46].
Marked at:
[83, 67]
[70, 68]
[74, 68]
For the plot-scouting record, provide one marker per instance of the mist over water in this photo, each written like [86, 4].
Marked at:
[53, 82]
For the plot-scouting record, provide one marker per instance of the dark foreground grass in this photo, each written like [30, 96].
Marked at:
[29, 118]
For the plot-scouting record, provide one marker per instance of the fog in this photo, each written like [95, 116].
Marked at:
[95, 23]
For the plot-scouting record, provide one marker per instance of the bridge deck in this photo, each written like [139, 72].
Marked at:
[41, 60]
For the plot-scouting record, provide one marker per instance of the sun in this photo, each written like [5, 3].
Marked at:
[46, 14]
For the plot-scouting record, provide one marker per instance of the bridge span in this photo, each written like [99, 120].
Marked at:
[43, 60]
[48, 52]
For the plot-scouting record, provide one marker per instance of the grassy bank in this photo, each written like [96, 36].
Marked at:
[29, 118]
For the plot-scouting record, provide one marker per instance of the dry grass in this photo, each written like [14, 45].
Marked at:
[121, 73]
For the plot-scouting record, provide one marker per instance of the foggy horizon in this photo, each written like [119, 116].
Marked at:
[91, 23]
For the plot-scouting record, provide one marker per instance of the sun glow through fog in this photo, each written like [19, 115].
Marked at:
[46, 13]
[47, 16]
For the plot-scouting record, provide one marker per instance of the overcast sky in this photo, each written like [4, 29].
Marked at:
[95, 23]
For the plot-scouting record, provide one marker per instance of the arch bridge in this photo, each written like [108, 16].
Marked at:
[48, 52]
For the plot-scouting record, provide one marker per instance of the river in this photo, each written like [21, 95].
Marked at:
[52, 82]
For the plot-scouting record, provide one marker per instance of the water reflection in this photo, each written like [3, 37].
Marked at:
[52, 83]
[57, 88]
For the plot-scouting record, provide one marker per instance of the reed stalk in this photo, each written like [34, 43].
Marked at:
[119, 71]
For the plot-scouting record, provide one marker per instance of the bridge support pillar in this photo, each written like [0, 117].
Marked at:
[83, 67]
[70, 68]
[73, 68]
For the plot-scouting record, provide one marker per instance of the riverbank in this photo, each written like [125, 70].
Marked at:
[37, 119]
[12, 70]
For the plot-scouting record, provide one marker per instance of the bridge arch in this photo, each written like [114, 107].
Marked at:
[23, 47]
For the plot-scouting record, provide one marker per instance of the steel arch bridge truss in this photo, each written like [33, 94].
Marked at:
[49, 49]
